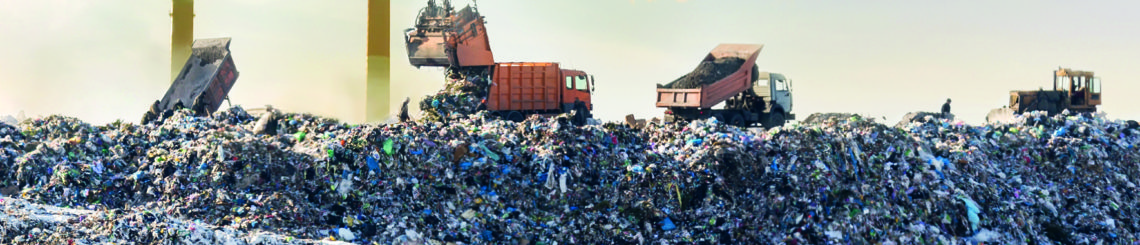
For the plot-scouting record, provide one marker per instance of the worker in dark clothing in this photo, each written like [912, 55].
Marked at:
[404, 111]
[946, 109]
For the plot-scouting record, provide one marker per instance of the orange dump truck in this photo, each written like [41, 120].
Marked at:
[520, 89]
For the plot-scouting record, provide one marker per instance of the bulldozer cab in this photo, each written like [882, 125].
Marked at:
[1082, 87]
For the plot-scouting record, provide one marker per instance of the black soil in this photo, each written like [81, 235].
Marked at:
[708, 72]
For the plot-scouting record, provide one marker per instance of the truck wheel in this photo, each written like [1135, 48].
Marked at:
[776, 120]
[737, 120]
[515, 116]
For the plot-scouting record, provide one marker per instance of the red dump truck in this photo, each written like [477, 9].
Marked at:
[750, 97]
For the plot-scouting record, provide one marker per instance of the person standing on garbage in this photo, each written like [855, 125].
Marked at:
[946, 109]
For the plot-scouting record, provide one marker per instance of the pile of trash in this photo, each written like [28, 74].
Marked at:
[465, 93]
[830, 118]
[23, 222]
[923, 116]
[472, 180]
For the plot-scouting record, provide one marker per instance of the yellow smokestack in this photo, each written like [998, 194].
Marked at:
[378, 91]
[182, 35]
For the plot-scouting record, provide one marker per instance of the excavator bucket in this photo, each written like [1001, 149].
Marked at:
[426, 48]
[426, 42]
[443, 37]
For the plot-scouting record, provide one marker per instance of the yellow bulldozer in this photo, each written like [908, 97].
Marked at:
[1073, 90]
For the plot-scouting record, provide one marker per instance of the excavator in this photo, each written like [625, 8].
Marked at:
[1073, 90]
[457, 40]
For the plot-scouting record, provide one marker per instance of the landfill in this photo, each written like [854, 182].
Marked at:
[236, 178]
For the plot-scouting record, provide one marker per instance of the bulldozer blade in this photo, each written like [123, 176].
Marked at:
[1000, 116]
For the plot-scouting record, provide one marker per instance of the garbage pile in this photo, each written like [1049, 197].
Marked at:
[22, 222]
[830, 118]
[472, 180]
[465, 93]
[923, 116]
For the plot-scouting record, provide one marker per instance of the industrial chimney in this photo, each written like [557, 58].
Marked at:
[378, 91]
[182, 35]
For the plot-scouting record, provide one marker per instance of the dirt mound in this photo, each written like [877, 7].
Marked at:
[707, 73]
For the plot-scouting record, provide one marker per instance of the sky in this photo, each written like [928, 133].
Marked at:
[105, 60]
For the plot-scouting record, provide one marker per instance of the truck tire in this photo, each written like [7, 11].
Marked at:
[515, 116]
[775, 120]
[737, 120]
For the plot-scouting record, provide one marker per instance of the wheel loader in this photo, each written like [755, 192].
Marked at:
[1073, 90]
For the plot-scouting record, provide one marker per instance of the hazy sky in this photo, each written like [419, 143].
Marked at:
[109, 59]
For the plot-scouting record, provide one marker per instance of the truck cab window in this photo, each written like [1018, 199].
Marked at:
[781, 85]
[580, 83]
[569, 82]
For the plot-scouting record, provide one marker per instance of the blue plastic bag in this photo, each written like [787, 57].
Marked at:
[372, 164]
[667, 224]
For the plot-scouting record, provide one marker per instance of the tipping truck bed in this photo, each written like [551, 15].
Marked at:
[202, 84]
[709, 94]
